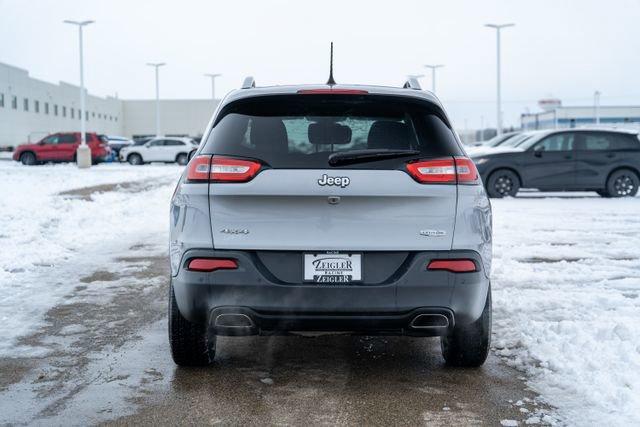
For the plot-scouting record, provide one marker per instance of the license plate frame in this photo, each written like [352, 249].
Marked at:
[334, 276]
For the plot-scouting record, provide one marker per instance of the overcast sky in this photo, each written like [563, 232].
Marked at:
[565, 49]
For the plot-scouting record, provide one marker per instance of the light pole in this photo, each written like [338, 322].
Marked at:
[213, 84]
[83, 154]
[498, 27]
[433, 75]
[157, 66]
[596, 106]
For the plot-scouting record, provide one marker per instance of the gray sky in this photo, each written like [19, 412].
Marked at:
[567, 49]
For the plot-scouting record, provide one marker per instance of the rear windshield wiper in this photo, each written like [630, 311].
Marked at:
[361, 156]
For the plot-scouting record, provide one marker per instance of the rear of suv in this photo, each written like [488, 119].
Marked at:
[330, 208]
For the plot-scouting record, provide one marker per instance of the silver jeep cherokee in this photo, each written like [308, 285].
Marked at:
[330, 208]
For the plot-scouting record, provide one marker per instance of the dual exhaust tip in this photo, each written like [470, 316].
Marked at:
[243, 324]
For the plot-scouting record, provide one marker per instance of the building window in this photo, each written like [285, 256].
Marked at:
[64, 111]
[36, 106]
[26, 104]
[46, 108]
[55, 109]
[14, 102]
[72, 113]
[93, 114]
[2, 100]
[86, 116]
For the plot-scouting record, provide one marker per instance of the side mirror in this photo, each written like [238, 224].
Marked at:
[538, 151]
[191, 154]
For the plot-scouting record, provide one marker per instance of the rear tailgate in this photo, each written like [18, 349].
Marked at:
[287, 209]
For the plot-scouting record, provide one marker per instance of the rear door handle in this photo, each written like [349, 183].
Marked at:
[568, 157]
[611, 155]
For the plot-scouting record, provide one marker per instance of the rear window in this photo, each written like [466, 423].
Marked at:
[302, 131]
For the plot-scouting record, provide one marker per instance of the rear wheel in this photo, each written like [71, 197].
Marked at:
[468, 345]
[182, 159]
[503, 183]
[623, 183]
[28, 159]
[188, 341]
[134, 159]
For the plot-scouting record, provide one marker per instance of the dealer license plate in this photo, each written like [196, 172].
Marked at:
[332, 267]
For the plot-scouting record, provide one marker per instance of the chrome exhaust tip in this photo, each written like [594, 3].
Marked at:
[233, 320]
[430, 321]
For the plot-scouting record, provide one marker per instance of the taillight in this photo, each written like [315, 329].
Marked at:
[453, 265]
[221, 169]
[212, 264]
[444, 171]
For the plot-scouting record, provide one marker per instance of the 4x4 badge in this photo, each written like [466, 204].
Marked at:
[338, 181]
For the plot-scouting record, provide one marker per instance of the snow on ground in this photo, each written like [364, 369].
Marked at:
[566, 276]
[49, 241]
[566, 282]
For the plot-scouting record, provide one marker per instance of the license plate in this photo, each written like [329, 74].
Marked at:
[332, 268]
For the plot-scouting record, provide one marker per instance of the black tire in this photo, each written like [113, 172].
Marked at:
[468, 345]
[182, 159]
[188, 341]
[503, 183]
[28, 158]
[134, 159]
[623, 183]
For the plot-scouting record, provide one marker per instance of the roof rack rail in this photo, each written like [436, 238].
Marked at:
[248, 83]
[412, 83]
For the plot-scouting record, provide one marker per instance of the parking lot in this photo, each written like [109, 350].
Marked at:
[92, 347]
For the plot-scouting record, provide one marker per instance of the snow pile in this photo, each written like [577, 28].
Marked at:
[566, 285]
[49, 241]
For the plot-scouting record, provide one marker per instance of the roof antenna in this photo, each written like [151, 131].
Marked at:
[331, 82]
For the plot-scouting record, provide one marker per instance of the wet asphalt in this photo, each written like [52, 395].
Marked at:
[108, 362]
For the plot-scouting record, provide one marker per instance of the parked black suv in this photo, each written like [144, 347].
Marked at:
[605, 161]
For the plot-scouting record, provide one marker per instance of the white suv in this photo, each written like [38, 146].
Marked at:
[162, 149]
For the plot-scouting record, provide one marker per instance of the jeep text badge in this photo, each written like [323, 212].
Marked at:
[338, 181]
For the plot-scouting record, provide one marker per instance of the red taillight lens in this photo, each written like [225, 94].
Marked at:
[440, 170]
[466, 170]
[198, 169]
[453, 265]
[212, 264]
[225, 169]
[221, 169]
[445, 171]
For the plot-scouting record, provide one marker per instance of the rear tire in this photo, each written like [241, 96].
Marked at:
[468, 345]
[134, 159]
[182, 159]
[28, 158]
[503, 183]
[188, 341]
[623, 183]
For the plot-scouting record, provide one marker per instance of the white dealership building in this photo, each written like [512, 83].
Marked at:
[32, 108]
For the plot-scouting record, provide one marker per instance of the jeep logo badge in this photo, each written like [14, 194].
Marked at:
[338, 181]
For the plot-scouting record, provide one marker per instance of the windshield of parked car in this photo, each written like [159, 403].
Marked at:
[498, 140]
[303, 131]
[516, 140]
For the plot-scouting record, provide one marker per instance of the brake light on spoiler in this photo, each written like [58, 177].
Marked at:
[449, 170]
[207, 168]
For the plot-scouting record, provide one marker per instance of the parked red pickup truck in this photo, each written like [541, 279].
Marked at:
[61, 147]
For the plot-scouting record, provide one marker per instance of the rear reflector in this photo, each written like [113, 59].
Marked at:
[453, 265]
[332, 92]
[212, 264]
[445, 171]
[221, 169]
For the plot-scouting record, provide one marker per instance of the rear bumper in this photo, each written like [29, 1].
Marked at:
[252, 301]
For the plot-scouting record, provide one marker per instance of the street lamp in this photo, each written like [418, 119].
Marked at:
[498, 27]
[157, 66]
[596, 106]
[213, 84]
[433, 75]
[83, 154]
